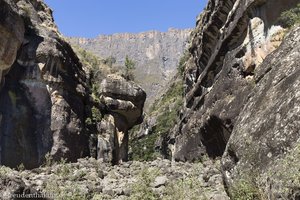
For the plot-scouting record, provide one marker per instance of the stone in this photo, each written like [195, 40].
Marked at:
[124, 101]
[160, 181]
[112, 186]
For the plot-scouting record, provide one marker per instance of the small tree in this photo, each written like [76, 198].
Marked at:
[110, 61]
[129, 68]
[290, 17]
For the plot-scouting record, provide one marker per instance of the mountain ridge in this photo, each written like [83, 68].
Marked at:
[156, 54]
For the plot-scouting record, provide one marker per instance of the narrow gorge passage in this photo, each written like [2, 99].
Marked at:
[111, 102]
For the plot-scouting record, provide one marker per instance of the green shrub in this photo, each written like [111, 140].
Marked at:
[21, 167]
[129, 69]
[48, 160]
[246, 189]
[66, 191]
[110, 61]
[182, 63]
[190, 187]
[290, 17]
[143, 149]
[96, 114]
[142, 188]
[4, 171]
[167, 109]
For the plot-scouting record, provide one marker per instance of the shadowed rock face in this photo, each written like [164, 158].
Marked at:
[42, 102]
[265, 139]
[241, 91]
[45, 100]
[12, 34]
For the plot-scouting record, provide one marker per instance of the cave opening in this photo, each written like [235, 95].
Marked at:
[215, 135]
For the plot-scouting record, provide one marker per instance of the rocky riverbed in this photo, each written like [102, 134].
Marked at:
[93, 179]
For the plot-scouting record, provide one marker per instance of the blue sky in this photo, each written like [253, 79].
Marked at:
[89, 18]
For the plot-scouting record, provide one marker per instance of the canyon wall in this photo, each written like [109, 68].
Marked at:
[241, 93]
[46, 103]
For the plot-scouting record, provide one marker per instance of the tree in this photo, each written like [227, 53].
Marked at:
[129, 68]
[290, 17]
[110, 61]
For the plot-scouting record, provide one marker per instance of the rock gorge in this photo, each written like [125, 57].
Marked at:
[232, 115]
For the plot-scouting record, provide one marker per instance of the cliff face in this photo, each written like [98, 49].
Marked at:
[240, 92]
[45, 99]
[42, 101]
[156, 54]
[12, 35]
[265, 138]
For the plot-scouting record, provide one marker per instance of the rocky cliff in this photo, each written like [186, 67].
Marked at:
[239, 114]
[241, 86]
[46, 102]
[42, 101]
[156, 54]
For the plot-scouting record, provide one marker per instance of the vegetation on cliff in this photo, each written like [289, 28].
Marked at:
[290, 17]
[165, 110]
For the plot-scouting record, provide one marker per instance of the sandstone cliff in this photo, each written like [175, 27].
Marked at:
[46, 103]
[241, 87]
[156, 54]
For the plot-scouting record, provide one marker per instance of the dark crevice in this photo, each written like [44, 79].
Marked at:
[233, 156]
[249, 71]
[241, 53]
[215, 136]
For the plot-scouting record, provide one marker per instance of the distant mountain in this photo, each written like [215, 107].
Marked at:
[155, 53]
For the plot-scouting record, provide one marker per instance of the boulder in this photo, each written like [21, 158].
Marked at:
[124, 101]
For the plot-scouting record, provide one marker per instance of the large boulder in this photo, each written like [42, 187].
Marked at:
[124, 101]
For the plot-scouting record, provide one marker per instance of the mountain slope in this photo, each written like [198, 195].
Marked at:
[156, 54]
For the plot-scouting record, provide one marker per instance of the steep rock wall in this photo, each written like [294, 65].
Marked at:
[45, 99]
[42, 102]
[12, 34]
[230, 42]
[266, 139]
[232, 71]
